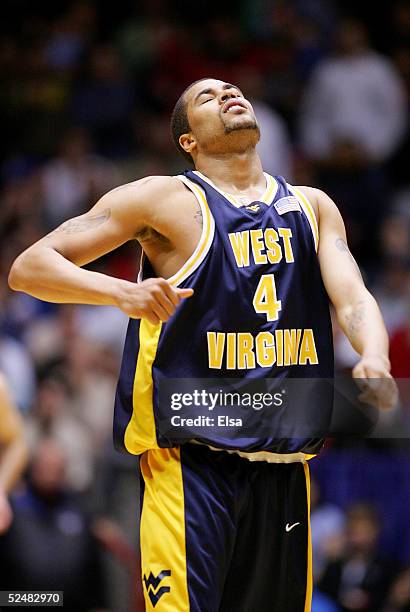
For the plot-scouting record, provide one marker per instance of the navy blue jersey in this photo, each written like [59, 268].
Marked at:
[259, 311]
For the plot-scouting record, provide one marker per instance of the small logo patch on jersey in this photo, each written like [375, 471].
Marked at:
[253, 208]
[152, 583]
[287, 204]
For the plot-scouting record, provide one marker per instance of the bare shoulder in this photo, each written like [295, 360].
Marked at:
[319, 199]
[147, 202]
[145, 189]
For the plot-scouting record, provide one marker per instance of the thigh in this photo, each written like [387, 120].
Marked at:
[162, 532]
[188, 526]
[295, 570]
[271, 567]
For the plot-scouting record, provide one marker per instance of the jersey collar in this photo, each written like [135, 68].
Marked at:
[267, 197]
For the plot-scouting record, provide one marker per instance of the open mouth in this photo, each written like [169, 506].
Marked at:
[234, 105]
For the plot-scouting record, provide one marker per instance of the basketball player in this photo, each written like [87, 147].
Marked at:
[236, 273]
[13, 452]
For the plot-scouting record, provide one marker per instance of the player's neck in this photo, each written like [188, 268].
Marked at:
[233, 172]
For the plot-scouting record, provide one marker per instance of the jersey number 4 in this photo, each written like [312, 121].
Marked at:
[265, 300]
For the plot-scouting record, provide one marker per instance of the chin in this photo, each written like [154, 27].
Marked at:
[243, 135]
[238, 123]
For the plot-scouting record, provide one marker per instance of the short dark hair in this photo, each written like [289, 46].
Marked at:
[179, 120]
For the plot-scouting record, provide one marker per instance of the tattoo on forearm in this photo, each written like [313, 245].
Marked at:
[342, 246]
[355, 320]
[83, 224]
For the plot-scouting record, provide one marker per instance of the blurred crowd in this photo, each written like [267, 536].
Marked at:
[87, 92]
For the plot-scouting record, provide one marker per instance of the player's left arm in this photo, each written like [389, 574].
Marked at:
[357, 311]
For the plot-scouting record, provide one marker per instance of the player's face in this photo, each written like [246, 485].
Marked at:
[217, 109]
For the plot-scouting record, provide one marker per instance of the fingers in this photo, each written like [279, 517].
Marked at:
[167, 298]
[378, 389]
[384, 397]
[388, 393]
[175, 294]
[164, 301]
[185, 293]
[161, 300]
[160, 311]
[145, 314]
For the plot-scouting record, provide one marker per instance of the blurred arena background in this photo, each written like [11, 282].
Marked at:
[86, 94]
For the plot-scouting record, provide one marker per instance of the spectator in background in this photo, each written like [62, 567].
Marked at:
[50, 545]
[13, 452]
[352, 120]
[17, 366]
[391, 287]
[103, 101]
[355, 97]
[91, 368]
[400, 366]
[359, 579]
[400, 348]
[328, 527]
[75, 178]
[398, 599]
[70, 35]
[53, 417]
[322, 603]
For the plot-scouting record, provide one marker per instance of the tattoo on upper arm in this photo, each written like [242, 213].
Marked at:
[83, 224]
[198, 216]
[342, 246]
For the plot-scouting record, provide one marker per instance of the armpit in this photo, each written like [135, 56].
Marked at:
[149, 235]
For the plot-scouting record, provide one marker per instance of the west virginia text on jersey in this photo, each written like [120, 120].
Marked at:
[259, 310]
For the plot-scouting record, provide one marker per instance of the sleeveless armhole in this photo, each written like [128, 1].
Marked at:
[308, 211]
[205, 241]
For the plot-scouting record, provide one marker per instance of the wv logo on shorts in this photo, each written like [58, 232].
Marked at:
[152, 583]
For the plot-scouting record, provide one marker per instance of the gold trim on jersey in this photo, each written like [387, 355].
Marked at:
[162, 531]
[267, 196]
[309, 212]
[264, 456]
[141, 433]
[271, 189]
[140, 271]
[205, 241]
[309, 577]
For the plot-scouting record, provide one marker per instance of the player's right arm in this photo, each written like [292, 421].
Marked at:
[51, 269]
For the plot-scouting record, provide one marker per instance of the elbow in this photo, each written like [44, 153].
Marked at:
[17, 276]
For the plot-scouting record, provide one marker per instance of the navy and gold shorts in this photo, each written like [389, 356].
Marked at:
[221, 533]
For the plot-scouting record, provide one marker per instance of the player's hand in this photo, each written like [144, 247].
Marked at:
[154, 299]
[378, 387]
[6, 514]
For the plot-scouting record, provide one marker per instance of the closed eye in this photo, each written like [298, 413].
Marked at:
[205, 101]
